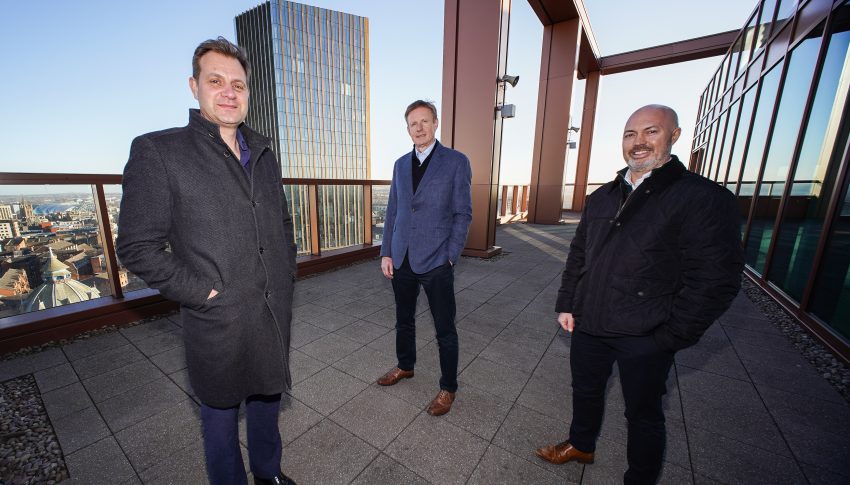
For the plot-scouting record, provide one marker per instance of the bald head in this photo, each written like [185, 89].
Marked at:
[649, 136]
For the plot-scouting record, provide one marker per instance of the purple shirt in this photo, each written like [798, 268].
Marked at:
[244, 152]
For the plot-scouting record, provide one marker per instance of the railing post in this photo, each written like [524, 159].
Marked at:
[524, 203]
[513, 199]
[504, 207]
[112, 269]
[313, 204]
[367, 214]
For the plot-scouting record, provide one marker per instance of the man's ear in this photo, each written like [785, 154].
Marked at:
[193, 85]
[676, 133]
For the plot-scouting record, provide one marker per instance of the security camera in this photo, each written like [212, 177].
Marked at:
[507, 78]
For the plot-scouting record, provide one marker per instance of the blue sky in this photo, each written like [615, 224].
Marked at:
[84, 78]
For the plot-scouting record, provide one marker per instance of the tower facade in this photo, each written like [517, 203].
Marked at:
[310, 95]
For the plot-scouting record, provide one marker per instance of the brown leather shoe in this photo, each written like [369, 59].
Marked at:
[562, 453]
[441, 404]
[392, 377]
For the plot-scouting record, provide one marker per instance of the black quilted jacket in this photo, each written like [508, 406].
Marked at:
[665, 260]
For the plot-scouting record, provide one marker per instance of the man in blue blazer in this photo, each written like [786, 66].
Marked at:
[428, 216]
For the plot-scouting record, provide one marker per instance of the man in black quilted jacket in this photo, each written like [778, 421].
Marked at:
[655, 260]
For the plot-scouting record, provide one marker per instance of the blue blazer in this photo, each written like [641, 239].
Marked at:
[429, 225]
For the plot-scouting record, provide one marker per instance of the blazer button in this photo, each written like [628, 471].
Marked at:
[640, 293]
[253, 203]
[262, 250]
[268, 294]
[412, 210]
[226, 154]
[618, 224]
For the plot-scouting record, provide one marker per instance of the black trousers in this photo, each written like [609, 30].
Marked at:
[439, 287]
[221, 440]
[643, 375]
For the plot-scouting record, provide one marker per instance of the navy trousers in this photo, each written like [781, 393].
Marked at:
[221, 440]
[439, 287]
[643, 375]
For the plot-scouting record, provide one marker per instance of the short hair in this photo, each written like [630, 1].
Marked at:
[223, 47]
[420, 104]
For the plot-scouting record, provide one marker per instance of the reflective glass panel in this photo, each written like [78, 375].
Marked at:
[740, 139]
[795, 92]
[340, 216]
[758, 139]
[52, 252]
[299, 208]
[816, 171]
[380, 197]
[723, 160]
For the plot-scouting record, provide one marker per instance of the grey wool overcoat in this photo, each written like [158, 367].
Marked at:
[227, 230]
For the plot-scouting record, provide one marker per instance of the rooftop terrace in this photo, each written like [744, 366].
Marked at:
[743, 405]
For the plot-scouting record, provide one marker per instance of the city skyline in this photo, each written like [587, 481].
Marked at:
[155, 76]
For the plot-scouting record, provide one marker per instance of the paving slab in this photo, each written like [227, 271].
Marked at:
[385, 471]
[100, 462]
[55, 377]
[499, 467]
[327, 454]
[327, 390]
[375, 416]
[437, 450]
[28, 364]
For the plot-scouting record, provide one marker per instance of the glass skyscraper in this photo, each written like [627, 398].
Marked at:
[310, 95]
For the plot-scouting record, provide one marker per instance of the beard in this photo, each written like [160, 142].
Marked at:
[648, 164]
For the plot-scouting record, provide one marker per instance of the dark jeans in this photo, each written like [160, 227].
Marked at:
[221, 440]
[439, 287]
[643, 375]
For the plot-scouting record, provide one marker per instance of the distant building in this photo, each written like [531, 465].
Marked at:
[310, 95]
[27, 213]
[14, 282]
[30, 263]
[9, 228]
[6, 212]
[58, 289]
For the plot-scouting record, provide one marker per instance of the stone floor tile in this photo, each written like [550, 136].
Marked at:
[482, 324]
[133, 406]
[65, 400]
[333, 320]
[106, 361]
[386, 471]
[93, 345]
[55, 377]
[149, 329]
[803, 380]
[827, 450]
[818, 476]
[100, 462]
[330, 348]
[170, 361]
[77, 430]
[478, 412]
[724, 363]
[525, 430]
[384, 317]
[28, 364]
[181, 378]
[498, 379]
[549, 396]
[112, 383]
[362, 331]
[747, 422]
[510, 354]
[327, 454]
[437, 450]
[386, 343]
[157, 437]
[327, 390]
[375, 416]
[186, 466]
[499, 467]
[742, 463]
[302, 333]
[366, 364]
[360, 308]
[160, 343]
[302, 366]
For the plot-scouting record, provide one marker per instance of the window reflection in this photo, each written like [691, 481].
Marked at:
[785, 132]
[814, 179]
[758, 139]
[736, 159]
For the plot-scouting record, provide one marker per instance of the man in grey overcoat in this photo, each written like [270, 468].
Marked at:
[428, 216]
[212, 191]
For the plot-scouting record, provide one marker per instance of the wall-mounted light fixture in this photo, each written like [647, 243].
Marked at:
[507, 110]
[507, 78]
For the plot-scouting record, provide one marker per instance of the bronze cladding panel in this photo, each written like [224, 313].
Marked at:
[588, 119]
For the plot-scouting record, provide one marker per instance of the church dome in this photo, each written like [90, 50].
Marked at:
[58, 289]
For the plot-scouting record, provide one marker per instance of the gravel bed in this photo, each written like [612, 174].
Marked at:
[29, 450]
[828, 366]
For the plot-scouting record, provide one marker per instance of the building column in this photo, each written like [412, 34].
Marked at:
[588, 118]
[475, 50]
[557, 73]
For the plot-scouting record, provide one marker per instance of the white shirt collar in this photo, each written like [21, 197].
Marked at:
[421, 156]
[628, 178]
